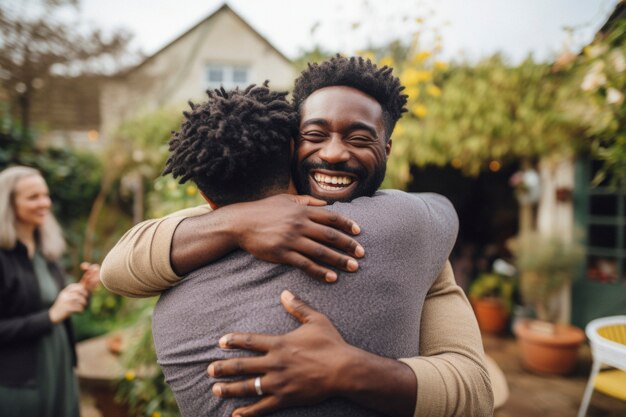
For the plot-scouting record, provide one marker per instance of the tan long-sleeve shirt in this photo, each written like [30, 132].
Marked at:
[452, 379]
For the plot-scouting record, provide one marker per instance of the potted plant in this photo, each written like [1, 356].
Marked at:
[547, 266]
[491, 296]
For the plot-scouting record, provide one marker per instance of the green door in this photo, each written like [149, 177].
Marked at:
[600, 213]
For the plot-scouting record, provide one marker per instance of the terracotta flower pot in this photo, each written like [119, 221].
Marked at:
[546, 348]
[491, 314]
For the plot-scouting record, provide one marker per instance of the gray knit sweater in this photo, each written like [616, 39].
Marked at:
[407, 239]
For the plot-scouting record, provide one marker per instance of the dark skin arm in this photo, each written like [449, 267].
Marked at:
[285, 229]
[327, 367]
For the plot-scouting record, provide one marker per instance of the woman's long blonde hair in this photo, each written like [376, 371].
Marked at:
[51, 242]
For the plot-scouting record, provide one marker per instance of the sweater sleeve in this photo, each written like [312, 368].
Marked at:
[139, 264]
[452, 378]
[22, 328]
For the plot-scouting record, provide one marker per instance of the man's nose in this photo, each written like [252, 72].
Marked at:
[334, 151]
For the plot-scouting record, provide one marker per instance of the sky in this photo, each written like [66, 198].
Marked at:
[469, 29]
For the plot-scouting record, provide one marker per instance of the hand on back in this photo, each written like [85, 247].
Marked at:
[291, 230]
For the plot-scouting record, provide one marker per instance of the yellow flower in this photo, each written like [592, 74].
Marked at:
[422, 56]
[412, 92]
[190, 190]
[156, 414]
[410, 77]
[386, 61]
[441, 66]
[129, 375]
[433, 91]
[424, 76]
[419, 110]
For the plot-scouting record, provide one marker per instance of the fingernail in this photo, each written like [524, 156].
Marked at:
[224, 341]
[217, 390]
[356, 229]
[359, 251]
[287, 295]
[211, 370]
[352, 265]
[331, 277]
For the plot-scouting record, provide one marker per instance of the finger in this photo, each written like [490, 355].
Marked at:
[262, 407]
[77, 289]
[74, 287]
[77, 308]
[309, 267]
[238, 367]
[320, 253]
[77, 297]
[297, 308]
[248, 341]
[335, 239]
[334, 219]
[243, 388]
[85, 266]
[307, 200]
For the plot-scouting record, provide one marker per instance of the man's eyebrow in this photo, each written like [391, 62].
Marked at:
[309, 122]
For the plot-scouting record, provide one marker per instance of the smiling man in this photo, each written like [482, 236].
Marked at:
[339, 158]
[348, 108]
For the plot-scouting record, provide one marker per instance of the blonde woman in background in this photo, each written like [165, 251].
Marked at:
[37, 352]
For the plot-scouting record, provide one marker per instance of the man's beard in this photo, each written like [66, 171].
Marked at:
[366, 186]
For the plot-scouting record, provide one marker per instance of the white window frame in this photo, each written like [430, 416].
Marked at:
[228, 75]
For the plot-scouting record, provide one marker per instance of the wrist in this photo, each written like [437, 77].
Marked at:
[351, 373]
[52, 315]
[234, 225]
[382, 384]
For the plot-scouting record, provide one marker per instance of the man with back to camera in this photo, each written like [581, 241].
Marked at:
[454, 357]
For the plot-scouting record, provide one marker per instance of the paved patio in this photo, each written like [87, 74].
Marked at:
[533, 395]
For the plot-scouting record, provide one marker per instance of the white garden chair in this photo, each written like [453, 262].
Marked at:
[607, 337]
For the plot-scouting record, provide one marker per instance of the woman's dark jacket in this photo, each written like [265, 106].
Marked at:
[23, 320]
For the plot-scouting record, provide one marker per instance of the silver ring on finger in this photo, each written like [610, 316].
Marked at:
[257, 386]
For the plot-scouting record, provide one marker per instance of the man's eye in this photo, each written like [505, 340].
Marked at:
[312, 136]
[365, 140]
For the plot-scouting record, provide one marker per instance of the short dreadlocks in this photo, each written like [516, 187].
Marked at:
[358, 73]
[235, 146]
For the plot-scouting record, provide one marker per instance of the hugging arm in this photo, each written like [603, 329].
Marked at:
[452, 378]
[449, 379]
[153, 255]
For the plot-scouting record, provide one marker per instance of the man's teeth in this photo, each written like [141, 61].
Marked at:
[331, 182]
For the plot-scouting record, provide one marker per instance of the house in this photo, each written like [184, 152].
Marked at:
[221, 50]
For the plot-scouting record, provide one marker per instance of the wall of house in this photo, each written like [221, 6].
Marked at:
[178, 73]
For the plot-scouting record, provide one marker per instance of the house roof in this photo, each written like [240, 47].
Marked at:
[224, 8]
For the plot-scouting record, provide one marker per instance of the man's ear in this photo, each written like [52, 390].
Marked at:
[209, 201]
[388, 148]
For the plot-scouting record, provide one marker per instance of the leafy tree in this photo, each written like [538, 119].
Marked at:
[596, 97]
[491, 113]
[38, 40]
[134, 155]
